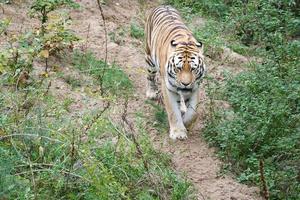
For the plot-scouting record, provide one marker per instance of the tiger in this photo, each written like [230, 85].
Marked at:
[171, 49]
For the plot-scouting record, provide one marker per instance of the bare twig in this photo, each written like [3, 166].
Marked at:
[46, 67]
[87, 127]
[84, 48]
[72, 152]
[48, 88]
[45, 170]
[263, 180]
[94, 120]
[137, 145]
[105, 59]
[29, 135]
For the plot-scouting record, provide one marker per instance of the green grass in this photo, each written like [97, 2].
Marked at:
[115, 80]
[136, 31]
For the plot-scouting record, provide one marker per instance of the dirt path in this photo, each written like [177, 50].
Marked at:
[193, 156]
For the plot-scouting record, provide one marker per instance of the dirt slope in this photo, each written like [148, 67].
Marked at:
[193, 156]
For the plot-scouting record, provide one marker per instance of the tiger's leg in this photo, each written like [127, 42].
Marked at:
[177, 128]
[152, 89]
[191, 114]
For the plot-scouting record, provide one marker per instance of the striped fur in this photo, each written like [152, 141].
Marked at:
[172, 50]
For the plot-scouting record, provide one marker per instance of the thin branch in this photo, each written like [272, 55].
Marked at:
[94, 120]
[48, 88]
[118, 131]
[263, 180]
[84, 48]
[137, 145]
[105, 30]
[105, 58]
[29, 135]
[48, 169]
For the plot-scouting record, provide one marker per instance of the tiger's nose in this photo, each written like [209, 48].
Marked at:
[185, 84]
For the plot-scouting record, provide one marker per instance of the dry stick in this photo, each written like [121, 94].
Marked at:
[87, 127]
[49, 169]
[47, 89]
[46, 67]
[263, 180]
[105, 59]
[84, 48]
[137, 145]
[29, 135]
[94, 120]
[72, 158]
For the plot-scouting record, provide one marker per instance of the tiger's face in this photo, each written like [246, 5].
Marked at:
[186, 66]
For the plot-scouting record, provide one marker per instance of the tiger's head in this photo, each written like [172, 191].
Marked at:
[185, 64]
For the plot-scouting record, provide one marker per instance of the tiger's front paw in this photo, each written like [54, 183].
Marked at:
[178, 133]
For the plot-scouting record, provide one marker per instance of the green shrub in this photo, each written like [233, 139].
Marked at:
[41, 8]
[216, 8]
[263, 120]
[264, 126]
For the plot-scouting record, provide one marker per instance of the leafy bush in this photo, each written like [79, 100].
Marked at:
[264, 126]
[53, 34]
[41, 8]
[274, 17]
[17, 57]
[263, 121]
[217, 8]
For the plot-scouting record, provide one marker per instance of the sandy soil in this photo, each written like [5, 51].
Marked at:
[193, 156]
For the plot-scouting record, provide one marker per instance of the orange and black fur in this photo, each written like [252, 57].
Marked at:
[172, 50]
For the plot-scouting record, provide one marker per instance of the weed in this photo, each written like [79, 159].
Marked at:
[136, 31]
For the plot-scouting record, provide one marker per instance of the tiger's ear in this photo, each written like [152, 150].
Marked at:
[173, 43]
[199, 44]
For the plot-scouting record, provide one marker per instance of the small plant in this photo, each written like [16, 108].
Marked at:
[53, 36]
[57, 38]
[41, 8]
[16, 60]
[136, 31]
